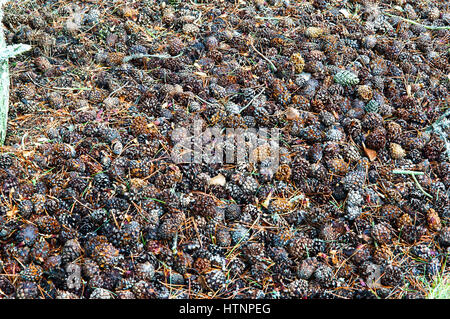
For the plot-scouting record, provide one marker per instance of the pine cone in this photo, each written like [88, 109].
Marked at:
[376, 139]
[314, 32]
[300, 246]
[365, 92]
[397, 152]
[372, 107]
[381, 233]
[298, 62]
[346, 78]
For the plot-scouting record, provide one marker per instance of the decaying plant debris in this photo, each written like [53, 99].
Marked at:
[358, 208]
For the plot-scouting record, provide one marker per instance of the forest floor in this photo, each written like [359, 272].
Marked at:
[94, 205]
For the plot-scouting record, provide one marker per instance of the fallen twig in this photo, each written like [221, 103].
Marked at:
[142, 55]
[254, 98]
[420, 187]
[413, 175]
[406, 172]
[417, 23]
[264, 57]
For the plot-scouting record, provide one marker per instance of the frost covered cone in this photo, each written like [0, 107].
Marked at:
[6, 52]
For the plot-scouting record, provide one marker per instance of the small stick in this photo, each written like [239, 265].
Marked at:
[174, 244]
[141, 55]
[202, 100]
[117, 90]
[413, 175]
[438, 121]
[420, 187]
[264, 57]
[270, 18]
[407, 172]
[254, 98]
[417, 23]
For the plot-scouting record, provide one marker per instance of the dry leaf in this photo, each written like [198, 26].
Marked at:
[334, 258]
[201, 74]
[371, 154]
[292, 114]
[217, 180]
[12, 213]
[27, 154]
[345, 12]
[266, 202]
